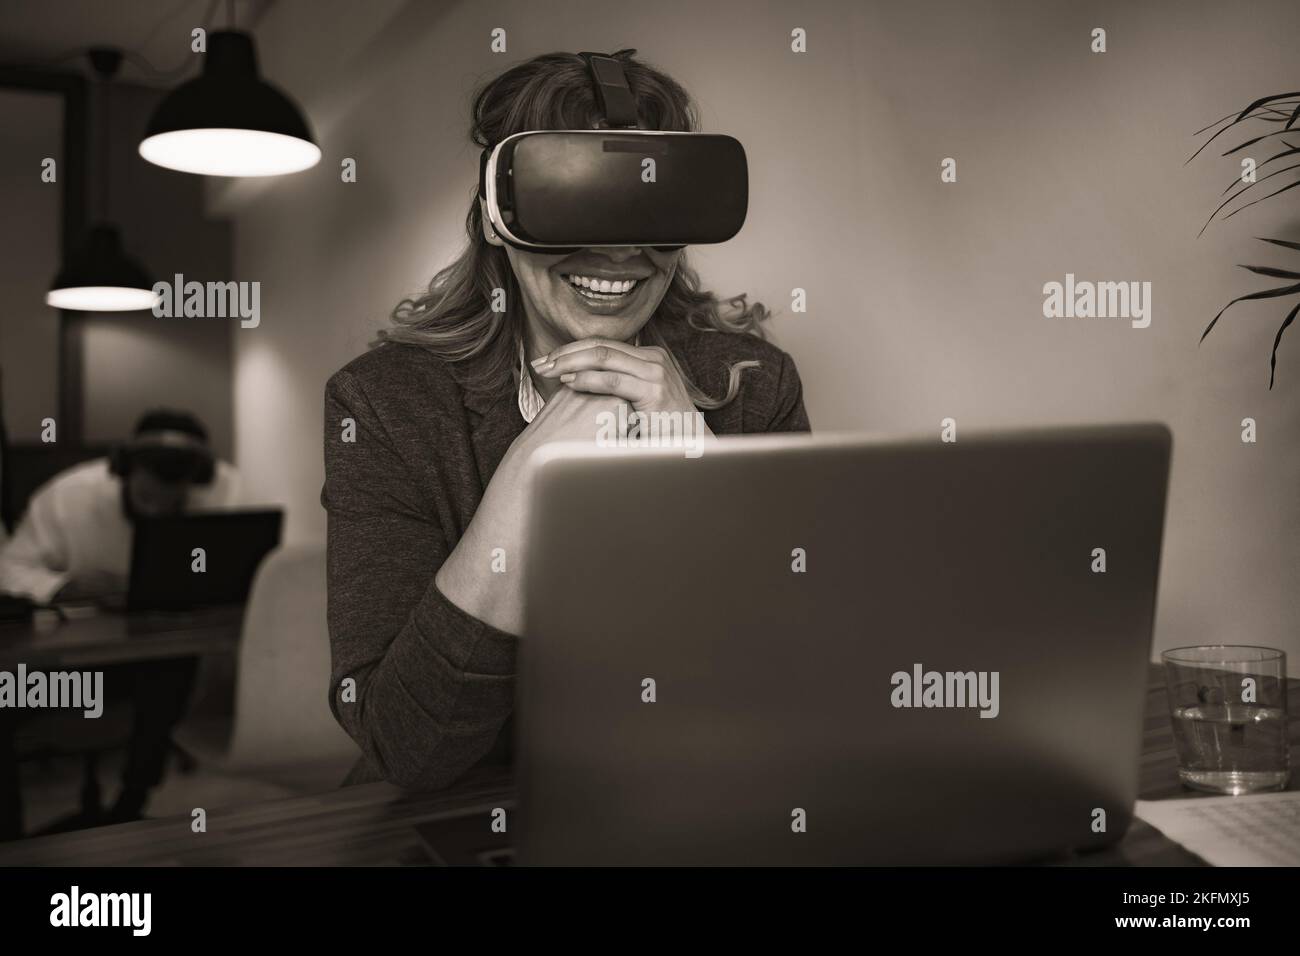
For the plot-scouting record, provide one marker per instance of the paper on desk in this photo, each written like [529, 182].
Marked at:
[1261, 829]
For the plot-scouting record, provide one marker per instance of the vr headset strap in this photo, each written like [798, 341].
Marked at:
[612, 92]
[615, 96]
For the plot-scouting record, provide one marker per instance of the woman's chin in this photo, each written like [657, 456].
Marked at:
[619, 328]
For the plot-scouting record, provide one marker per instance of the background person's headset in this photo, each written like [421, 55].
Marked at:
[171, 454]
[559, 191]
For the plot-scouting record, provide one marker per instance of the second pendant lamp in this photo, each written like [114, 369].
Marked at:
[98, 276]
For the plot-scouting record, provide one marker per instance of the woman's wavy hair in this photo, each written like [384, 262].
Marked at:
[454, 319]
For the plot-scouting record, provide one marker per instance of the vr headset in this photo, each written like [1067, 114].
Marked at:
[558, 191]
[171, 455]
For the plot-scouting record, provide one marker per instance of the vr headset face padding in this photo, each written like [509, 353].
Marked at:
[559, 191]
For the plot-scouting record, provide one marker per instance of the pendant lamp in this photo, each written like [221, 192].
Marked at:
[229, 121]
[99, 276]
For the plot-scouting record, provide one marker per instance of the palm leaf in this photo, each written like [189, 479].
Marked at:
[1275, 192]
[1272, 359]
[1281, 242]
[1236, 180]
[1271, 272]
[1222, 131]
[1252, 142]
[1269, 109]
[1241, 192]
[1266, 294]
[1267, 99]
[1235, 120]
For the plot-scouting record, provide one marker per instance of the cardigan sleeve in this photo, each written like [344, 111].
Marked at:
[423, 687]
[789, 414]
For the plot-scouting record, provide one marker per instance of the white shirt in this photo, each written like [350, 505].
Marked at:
[530, 400]
[74, 524]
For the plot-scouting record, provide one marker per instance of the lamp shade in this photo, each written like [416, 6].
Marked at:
[100, 277]
[229, 121]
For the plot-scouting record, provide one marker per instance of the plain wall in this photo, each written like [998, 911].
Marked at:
[134, 361]
[29, 329]
[925, 299]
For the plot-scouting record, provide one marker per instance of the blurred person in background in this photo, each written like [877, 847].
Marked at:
[73, 545]
[74, 541]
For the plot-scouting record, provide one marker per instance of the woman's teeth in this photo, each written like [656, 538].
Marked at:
[602, 288]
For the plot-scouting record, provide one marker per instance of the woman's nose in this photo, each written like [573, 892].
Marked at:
[618, 253]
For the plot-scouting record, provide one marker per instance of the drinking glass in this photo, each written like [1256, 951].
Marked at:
[1228, 708]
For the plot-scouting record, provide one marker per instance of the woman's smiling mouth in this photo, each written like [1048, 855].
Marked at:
[603, 296]
[595, 287]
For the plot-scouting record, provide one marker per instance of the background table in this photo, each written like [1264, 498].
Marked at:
[374, 823]
[109, 638]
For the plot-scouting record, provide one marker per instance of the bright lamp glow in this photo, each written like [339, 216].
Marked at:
[228, 121]
[230, 152]
[101, 298]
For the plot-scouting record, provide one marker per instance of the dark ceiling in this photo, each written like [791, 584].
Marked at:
[155, 34]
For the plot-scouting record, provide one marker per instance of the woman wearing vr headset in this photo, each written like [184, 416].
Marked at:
[427, 436]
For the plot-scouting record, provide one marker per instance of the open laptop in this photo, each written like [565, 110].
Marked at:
[163, 560]
[777, 733]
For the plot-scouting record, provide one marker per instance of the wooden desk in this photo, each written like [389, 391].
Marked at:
[373, 824]
[114, 638]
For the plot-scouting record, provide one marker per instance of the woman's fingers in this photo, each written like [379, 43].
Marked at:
[601, 356]
[605, 382]
[579, 344]
[638, 374]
